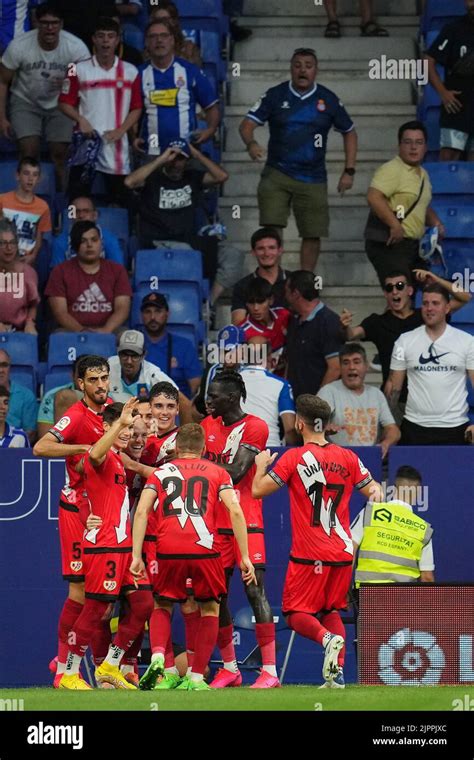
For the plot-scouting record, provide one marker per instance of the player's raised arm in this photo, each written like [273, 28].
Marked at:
[263, 484]
[49, 446]
[99, 450]
[144, 507]
[229, 498]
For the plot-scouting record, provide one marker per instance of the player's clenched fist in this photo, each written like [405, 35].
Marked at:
[264, 459]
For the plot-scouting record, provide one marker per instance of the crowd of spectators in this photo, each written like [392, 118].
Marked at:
[137, 129]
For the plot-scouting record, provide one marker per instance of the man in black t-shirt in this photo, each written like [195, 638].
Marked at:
[454, 50]
[400, 316]
[267, 248]
[170, 196]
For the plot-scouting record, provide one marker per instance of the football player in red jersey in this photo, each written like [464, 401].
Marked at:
[107, 555]
[321, 477]
[71, 437]
[186, 493]
[233, 439]
[164, 401]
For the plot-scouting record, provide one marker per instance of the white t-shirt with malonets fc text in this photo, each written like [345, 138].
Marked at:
[40, 73]
[436, 371]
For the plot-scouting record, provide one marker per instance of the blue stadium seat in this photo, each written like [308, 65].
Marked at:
[200, 8]
[65, 347]
[55, 379]
[175, 265]
[133, 36]
[8, 149]
[457, 217]
[116, 221]
[46, 188]
[440, 12]
[464, 316]
[457, 258]
[23, 352]
[451, 178]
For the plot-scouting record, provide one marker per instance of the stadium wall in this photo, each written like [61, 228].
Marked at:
[32, 591]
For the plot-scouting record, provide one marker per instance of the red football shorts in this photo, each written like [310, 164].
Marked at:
[108, 574]
[224, 544]
[256, 550]
[229, 550]
[149, 556]
[207, 577]
[315, 587]
[71, 531]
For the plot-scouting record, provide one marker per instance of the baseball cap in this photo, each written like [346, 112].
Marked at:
[182, 146]
[230, 336]
[132, 340]
[155, 299]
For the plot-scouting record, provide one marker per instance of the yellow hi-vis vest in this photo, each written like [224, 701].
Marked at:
[392, 544]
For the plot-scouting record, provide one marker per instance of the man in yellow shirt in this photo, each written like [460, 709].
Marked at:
[399, 197]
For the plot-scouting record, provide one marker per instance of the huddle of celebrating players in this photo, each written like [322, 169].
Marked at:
[194, 497]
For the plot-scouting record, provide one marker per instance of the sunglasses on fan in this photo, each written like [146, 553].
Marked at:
[389, 287]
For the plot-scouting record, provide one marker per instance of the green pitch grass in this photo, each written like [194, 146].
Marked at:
[307, 698]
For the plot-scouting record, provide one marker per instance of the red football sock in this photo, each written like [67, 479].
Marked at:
[306, 625]
[86, 625]
[169, 654]
[131, 625]
[192, 621]
[69, 614]
[131, 654]
[332, 621]
[100, 642]
[205, 642]
[265, 634]
[225, 642]
[160, 630]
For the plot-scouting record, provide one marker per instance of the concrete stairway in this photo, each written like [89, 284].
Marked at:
[377, 108]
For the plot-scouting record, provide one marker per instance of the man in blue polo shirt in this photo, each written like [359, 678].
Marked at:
[171, 88]
[300, 114]
[175, 355]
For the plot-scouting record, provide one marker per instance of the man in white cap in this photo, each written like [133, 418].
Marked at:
[132, 375]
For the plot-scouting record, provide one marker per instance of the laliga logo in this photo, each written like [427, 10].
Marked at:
[415, 652]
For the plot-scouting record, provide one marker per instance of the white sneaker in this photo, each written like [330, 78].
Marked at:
[336, 683]
[330, 665]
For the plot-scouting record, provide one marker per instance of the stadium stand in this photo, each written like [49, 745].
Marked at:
[23, 351]
[439, 12]
[64, 347]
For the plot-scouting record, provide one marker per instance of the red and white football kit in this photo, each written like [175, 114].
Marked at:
[187, 508]
[80, 425]
[107, 550]
[105, 97]
[222, 445]
[275, 332]
[156, 450]
[320, 480]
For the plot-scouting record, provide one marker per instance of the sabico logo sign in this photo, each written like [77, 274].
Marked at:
[414, 658]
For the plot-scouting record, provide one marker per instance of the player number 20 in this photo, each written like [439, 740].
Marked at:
[191, 505]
